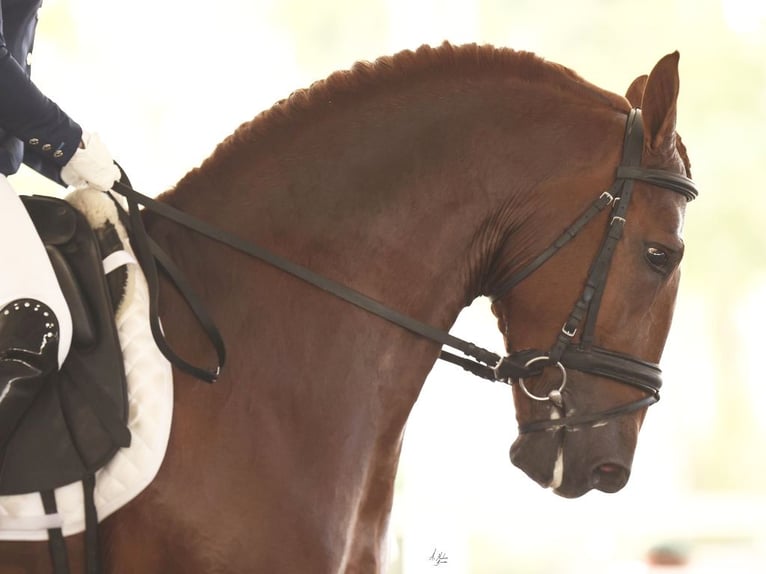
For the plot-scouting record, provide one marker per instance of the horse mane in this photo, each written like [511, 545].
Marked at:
[368, 78]
[684, 155]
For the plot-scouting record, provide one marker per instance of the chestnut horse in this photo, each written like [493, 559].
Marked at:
[422, 180]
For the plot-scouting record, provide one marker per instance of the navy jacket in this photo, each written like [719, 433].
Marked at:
[33, 129]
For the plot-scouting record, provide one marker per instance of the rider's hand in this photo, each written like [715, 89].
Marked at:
[91, 165]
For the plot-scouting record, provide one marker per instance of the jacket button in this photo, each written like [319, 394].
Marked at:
[34, 141]
[58, 153]
[47, 147]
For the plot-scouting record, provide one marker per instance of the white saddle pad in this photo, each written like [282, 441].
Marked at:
[150, 398]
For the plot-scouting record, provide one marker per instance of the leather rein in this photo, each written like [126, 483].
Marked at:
[514, 367]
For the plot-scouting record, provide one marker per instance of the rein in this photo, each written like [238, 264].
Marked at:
[483, 363]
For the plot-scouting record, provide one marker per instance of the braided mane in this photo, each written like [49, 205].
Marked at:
[365, 79]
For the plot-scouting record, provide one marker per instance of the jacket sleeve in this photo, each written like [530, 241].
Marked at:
[50, 136]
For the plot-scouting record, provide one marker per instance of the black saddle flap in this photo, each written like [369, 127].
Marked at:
[55, 220]
[79, 420]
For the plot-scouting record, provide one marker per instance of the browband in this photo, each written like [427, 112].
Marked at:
[672, 181]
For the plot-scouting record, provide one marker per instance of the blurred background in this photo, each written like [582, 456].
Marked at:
[163, 81]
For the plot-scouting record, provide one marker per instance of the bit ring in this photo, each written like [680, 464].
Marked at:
[554, 395]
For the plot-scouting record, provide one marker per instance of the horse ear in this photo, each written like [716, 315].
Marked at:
[635, 93]
[659, 106]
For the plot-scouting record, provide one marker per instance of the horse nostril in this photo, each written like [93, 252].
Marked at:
[609, 477]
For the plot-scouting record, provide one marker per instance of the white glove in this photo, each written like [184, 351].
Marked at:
[91, 165]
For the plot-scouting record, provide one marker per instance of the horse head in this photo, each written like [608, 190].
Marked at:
[593, 445]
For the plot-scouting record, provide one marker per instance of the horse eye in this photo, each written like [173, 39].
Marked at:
[657, 257]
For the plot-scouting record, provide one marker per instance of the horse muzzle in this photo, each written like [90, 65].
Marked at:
[577, 444]
[572, 464]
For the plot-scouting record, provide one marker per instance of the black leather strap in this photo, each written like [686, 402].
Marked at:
[56, 544]
[644, 375]
[596, 361]
[596, 207]
[92, 552]
[574, 421]
[672, 181]
[631, 156]
[149, 254]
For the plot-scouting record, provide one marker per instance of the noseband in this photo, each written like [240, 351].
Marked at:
[518, 365]
[584, 356]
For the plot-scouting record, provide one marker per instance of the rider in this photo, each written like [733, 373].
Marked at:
[35, 324]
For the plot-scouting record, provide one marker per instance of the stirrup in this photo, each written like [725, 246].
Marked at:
[29, 336]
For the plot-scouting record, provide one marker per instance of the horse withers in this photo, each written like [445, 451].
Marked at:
[423, 180]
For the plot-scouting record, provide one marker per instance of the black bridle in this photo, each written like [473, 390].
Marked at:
[584, 356]
[516, 366]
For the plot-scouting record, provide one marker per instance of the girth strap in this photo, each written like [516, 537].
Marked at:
[56, 544]
[92, 546]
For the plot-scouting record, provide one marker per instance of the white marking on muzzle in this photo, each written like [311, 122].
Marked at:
[558, 466]
[558, 470]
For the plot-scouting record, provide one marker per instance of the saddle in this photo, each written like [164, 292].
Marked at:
[77, 427]
[79, 420]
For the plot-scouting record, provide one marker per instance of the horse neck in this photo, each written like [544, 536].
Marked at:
[408, 199]
[409, 202]
[420, 188]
